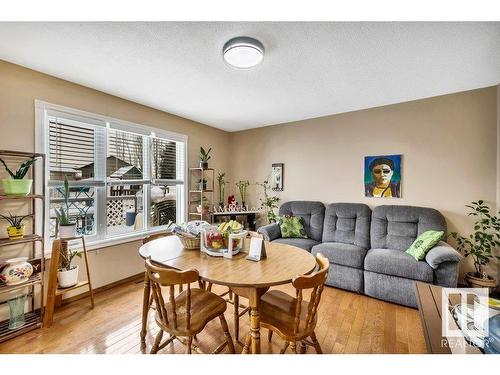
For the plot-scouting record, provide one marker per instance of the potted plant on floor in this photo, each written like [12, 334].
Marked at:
[204, 157]
[480, 244]
[67, 274]
[17, 185]
[16, 229]
[67, 227]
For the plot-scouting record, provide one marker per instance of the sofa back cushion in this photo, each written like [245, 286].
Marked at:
[312, 214]
[396, 227]
[347, 223]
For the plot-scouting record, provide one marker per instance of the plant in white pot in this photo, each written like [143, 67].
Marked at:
[17, 184]
[67, 227]
[480, 244]
[67, 274]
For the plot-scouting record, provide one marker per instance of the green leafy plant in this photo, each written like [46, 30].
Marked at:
[67, 258]
[14, 221]
[269, 203]
[221, 181]
[205, 155]
[485, 239]
[63, 213]
[242, 187]
[21, 171]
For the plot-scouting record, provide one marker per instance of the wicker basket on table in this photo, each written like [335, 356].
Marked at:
[189, 243]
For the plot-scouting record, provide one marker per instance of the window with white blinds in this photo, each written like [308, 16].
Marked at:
[125, 179]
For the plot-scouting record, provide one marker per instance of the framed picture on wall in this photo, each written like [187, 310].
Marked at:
[277, 176]
[383, 176]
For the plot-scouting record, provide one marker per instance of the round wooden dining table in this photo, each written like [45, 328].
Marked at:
[250, 278]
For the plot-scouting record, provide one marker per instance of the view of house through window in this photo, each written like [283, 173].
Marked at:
[120, 181]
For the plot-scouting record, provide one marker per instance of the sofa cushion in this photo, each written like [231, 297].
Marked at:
[292, 227]
[347, 223]
[312, 213]
[397, 227]
[342, 253]
[303, 243]
[398, 263]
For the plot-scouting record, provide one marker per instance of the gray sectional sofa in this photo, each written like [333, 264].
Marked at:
[366, 248]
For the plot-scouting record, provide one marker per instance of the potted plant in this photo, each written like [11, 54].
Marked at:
[221, 180]
[480, 244]
[67, 227]
[17, 185]
[242, 187]
[269, 203]
[17, 228]
[67, 274]
[204, 157]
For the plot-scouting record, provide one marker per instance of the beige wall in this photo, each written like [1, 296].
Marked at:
[448, 144]
[19, 87]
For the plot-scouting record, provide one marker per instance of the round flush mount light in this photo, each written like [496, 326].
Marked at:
[243, 52]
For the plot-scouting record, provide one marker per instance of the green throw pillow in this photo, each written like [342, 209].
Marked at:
[424, 243]
[292, 227]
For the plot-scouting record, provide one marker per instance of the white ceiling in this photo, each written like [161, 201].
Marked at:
[310, 69]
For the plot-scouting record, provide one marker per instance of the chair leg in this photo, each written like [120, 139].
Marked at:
[230, 295]
[146, 301]
[158, 338]
[269, 335]
[293, 347]
[285, 346]
[236, 317]
[302, 347]
[246, 348]
[188, 344]
[227, 335]
[316, 343]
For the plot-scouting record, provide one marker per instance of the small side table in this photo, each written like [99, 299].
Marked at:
[53, 292]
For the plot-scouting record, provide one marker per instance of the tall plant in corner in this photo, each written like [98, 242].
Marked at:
[221, 181]
[268, 203]
[481, 244]
[17, 184]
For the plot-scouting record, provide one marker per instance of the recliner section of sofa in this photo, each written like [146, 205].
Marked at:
[366, 249]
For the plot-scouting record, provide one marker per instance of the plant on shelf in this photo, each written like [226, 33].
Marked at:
[67, 227]
[268, 203]
[221, 180]
[204, 206]
[480, 244]
[17, 228]
[204, 157]
[17, 185]
[67, 274]
[242, 187]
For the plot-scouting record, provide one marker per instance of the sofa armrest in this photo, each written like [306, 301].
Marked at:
[270, 232]
[444, 259]
[442, 253]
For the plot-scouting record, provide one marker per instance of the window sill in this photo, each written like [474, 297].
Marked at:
[110, 242]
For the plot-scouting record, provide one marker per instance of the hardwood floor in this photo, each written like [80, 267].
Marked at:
[347, 323]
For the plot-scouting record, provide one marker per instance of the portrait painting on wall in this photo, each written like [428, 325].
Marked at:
[277, 177]
[383, 176]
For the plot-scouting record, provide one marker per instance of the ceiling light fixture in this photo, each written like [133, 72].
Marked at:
[243, 52]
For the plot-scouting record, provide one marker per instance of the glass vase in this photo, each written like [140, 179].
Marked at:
[16, 311]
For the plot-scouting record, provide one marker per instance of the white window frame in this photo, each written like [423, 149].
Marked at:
[44, 110]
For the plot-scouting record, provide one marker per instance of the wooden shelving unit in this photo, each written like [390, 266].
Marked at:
[198, 195]
[34, 316]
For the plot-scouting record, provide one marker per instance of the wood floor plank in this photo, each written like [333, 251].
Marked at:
[347, 323]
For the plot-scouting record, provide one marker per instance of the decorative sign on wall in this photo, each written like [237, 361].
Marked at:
[383, 176]
[277, 176]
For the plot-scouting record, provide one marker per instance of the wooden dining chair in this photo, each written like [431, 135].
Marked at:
[187, 314]
[293, 318]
